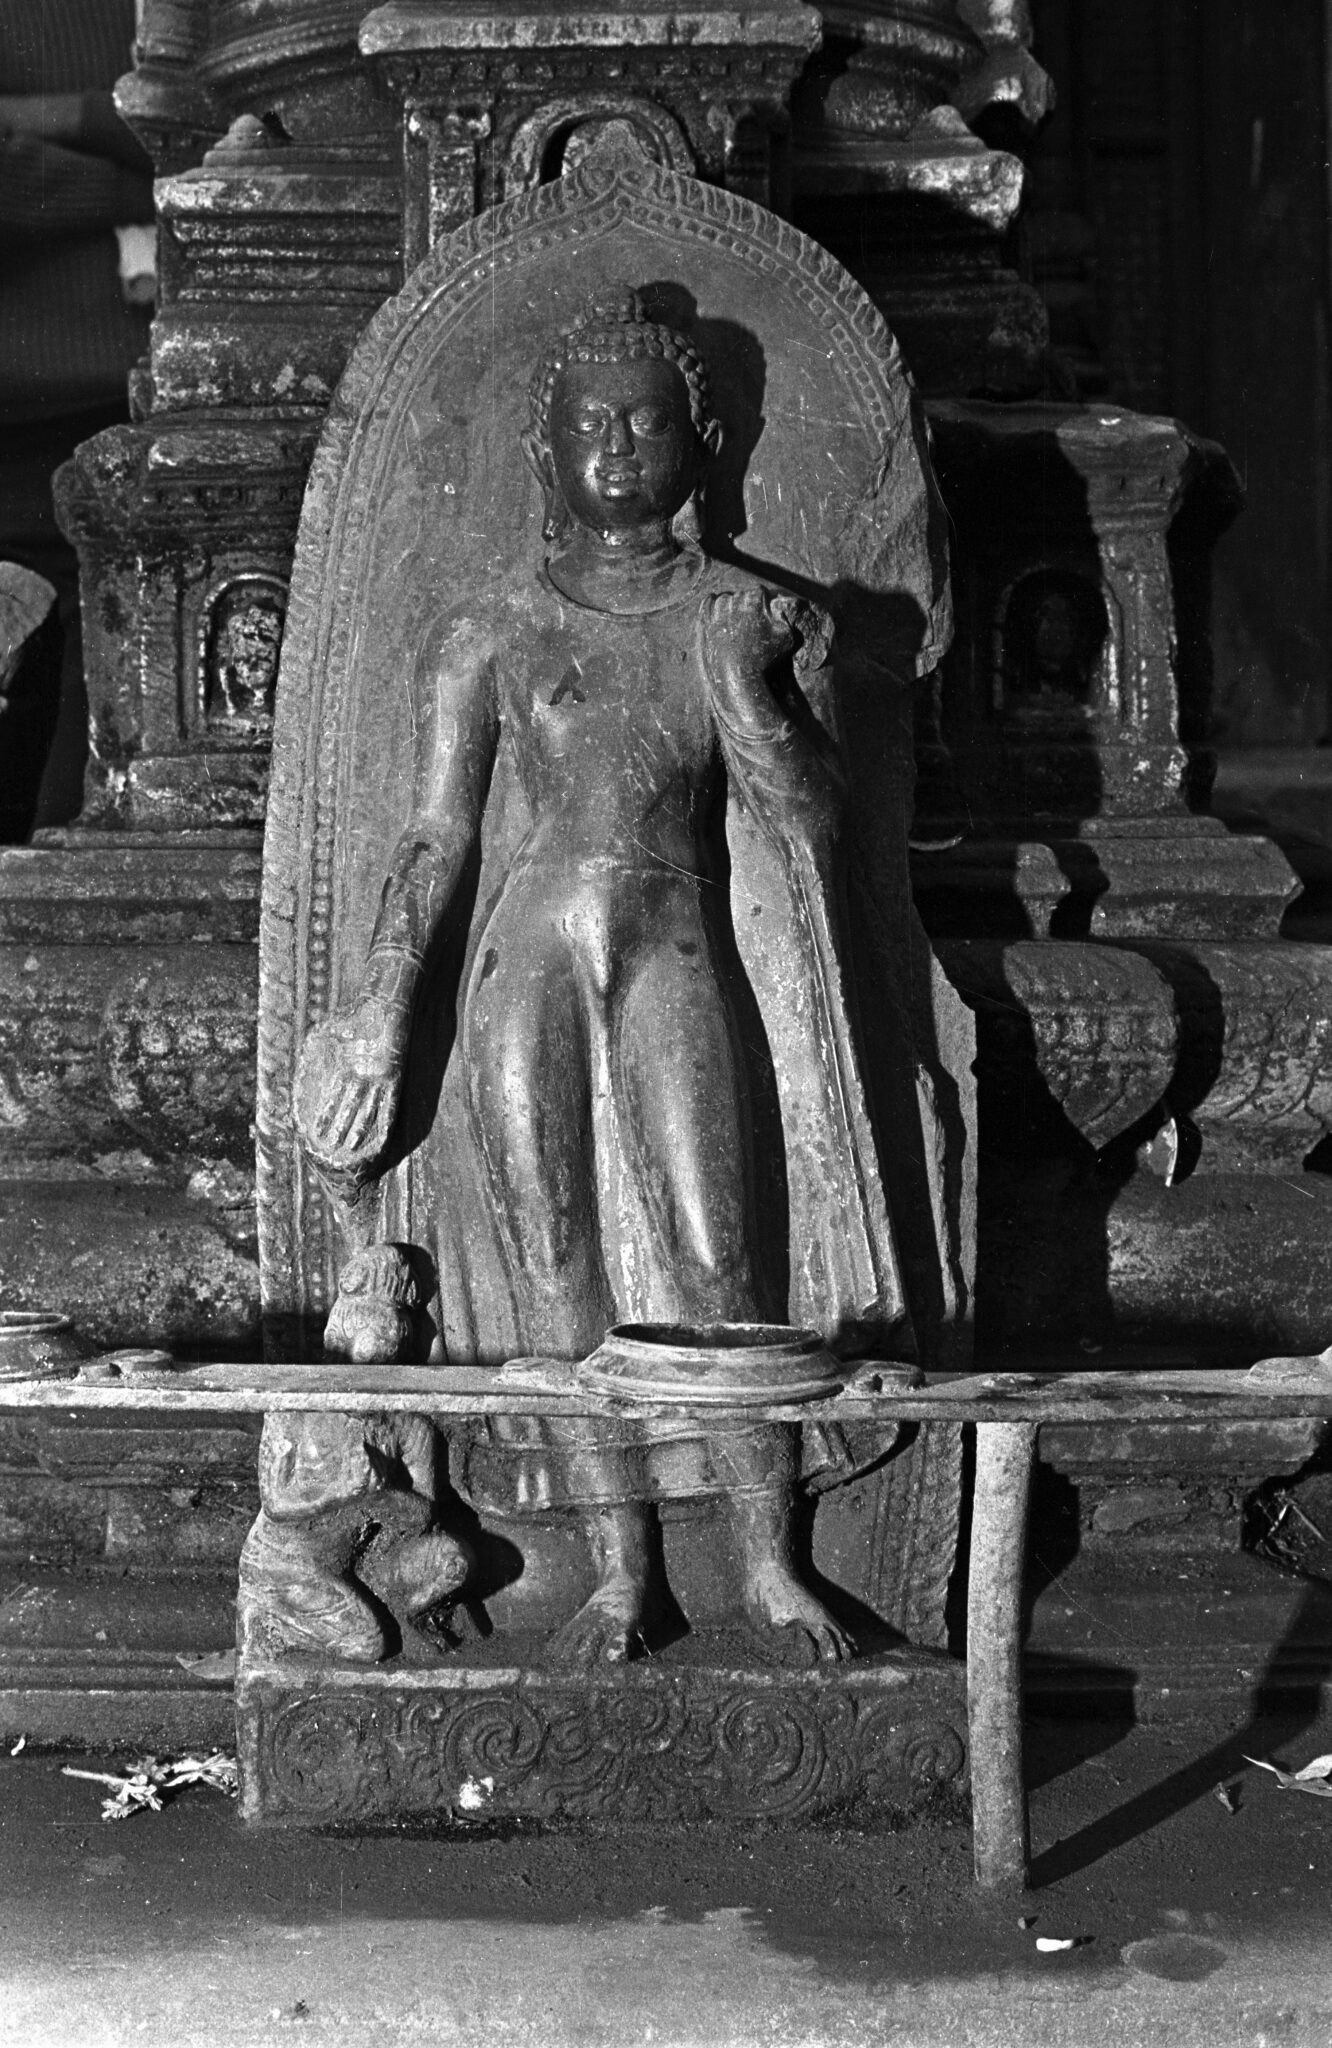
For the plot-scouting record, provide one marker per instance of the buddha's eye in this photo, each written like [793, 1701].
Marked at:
[648, 419]
[586, 423]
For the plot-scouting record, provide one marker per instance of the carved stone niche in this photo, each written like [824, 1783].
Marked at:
[375, 1680]
[1075, 695]
[491, 101]
[184, 527]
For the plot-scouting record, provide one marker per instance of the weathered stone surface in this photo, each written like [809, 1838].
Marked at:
[127, 1061]
[409, 28]
[1228, 1266]
[184, 531]
[75, 1522]
[1091, 1029]
[320, 1746]
[1078, 681]
[1008, 75]
[1163, 1636]
[1235, 1040]
[116, 1659]
[82, 887]
[109, 1704]
[1183, 1487]
[491, 103]
[272, 257]
[49, 1519]
[889, 176]
[198, 67]
[135, 1263]
[966, 323]
[200, 1461]
[1122, 879]
[1286, 792]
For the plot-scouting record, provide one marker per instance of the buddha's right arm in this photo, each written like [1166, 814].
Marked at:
[455, 751]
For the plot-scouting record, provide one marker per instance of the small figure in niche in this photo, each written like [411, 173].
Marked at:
[589, 1160]
[246, 641]
[1055, 635]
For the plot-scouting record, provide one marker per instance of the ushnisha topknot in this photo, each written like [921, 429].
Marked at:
[613, 328]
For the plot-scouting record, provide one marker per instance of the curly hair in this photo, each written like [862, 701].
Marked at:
[613, 328]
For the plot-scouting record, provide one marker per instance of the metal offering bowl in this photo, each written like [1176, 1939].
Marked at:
[37, 1345]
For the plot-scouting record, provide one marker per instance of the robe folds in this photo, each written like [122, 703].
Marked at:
[782, 909]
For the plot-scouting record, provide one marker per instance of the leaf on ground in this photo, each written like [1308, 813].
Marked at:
[216, 1664]
[1048, 1945]
[143, 1785]
[1314, 1778]
[1227, 1795]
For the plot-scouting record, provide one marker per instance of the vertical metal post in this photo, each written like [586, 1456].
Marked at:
[1005, 1453]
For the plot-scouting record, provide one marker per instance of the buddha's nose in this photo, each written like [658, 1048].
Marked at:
[619, 440]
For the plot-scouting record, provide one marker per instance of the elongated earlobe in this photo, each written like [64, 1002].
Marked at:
[537, 456]
[555, 520]
[687, 525]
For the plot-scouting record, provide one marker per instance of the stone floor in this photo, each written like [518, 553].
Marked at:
[1193, 1923]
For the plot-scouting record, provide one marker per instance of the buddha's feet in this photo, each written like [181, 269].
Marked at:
[607, 1629]
[791, 1625]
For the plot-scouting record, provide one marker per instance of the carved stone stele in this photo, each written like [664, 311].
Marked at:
[532, 745]
[419, 495]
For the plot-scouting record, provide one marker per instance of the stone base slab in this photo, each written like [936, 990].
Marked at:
[122, 1703]
[323, 1746]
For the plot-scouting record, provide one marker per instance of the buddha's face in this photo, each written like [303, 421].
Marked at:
[623, 443]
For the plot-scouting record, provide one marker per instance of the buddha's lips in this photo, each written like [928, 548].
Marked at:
[615, 481]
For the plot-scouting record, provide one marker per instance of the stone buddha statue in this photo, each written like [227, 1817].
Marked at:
[642, 1104]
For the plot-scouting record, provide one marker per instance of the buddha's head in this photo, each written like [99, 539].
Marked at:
[622, 426]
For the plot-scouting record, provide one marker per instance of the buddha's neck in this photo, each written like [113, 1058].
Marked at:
[637, 572]
[638, 552]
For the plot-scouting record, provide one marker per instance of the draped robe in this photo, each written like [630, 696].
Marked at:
[782, 918]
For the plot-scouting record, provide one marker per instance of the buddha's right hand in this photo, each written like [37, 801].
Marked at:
[349, 1085]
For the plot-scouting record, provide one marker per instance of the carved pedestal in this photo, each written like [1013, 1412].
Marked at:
[1162, 1611]
[662, 1742]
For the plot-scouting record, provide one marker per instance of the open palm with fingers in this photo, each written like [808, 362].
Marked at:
[349, 1085]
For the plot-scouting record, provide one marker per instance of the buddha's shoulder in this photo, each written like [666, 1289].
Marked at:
[736, 578]
[481, 622]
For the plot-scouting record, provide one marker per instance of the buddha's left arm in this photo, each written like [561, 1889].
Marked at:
[760, 647]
